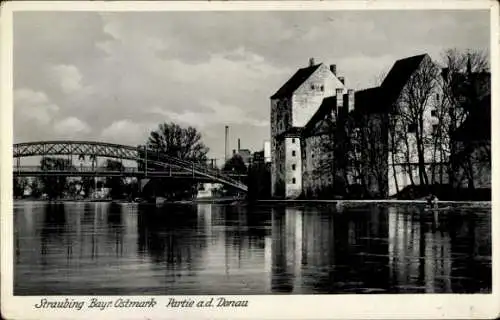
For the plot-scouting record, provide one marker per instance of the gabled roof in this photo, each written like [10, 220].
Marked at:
[292, 132]
[369, 101]
[398, 76]
[327, 105]
[295, 81]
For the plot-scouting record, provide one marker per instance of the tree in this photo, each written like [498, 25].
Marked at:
[415, 102]
[54, 186]
[36, 188]
[182, 143]
[81, 158]
[464, 83]
[236, 165]
[259, 181]
[116, 184]
[20, 184]
[175, 141]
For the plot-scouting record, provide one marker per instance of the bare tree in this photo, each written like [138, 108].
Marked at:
[463, 83]
[415, 101]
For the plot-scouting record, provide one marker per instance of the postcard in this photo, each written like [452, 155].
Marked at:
[249, 160]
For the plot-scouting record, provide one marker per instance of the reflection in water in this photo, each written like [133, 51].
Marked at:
[112, 248]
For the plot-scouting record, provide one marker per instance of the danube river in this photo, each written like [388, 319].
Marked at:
[119, 249]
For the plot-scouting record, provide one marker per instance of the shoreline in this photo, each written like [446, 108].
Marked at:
[381, 201]
[276, 201]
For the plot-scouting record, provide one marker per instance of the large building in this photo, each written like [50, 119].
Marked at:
[292, 106]
[327, 140]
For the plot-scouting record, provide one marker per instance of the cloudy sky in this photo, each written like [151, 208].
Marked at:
[114, 76]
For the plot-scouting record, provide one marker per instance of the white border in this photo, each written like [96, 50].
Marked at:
[415, 306]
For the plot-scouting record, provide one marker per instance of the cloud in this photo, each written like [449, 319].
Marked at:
[213, 113]
[71, 127]
[69, 78]
[126, 132]
[33, 108]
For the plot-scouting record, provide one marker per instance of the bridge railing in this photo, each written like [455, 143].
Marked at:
[89, 169]
[164, 159]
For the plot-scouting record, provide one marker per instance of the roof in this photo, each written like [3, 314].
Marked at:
[327, 105]
[369, 101]
[295, 81]
[477, 126]
[398, 76]
[292, 132]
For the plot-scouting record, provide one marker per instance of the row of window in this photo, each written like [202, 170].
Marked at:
[317, 87]
[412, 128]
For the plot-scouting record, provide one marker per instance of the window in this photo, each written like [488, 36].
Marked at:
[293, 167]
[322, 88]
[293, 140]
[293, 180]
[412, 128]
[437, 96]
[434, 112]
[293, 153]
[312, 86]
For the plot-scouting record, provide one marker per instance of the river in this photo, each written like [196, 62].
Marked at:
[82, 248]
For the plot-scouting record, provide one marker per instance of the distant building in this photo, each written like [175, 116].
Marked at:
[267, 151]
[245, 154]
[208, 190]
[258, 157]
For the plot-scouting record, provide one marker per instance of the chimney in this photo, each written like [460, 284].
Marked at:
[333, 69]
[226, 143]
[342, 79]
[340, 98]
[311, 62]
[350, 100]
[239, 145]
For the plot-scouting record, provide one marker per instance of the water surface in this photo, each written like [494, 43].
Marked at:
[119, 249]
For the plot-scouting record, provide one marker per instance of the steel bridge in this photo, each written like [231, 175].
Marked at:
[171, 167]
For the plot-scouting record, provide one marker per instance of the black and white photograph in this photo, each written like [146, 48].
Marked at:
[199, 159]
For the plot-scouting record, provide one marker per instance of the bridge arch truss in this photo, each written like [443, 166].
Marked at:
[122, 152]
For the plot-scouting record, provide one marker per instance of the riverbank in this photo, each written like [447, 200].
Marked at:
[374, 201]
[240, 201]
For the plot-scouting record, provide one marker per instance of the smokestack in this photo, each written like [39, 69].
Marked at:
[311, 62]
[342, 79]
[239, 145]
[226, 144]
[333, 69]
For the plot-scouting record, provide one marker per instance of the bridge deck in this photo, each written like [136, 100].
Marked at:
[104, 172]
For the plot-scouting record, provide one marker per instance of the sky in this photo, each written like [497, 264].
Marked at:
[114, 76]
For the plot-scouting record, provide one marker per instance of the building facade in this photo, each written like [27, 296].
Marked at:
[329, 141]
[292, 106]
